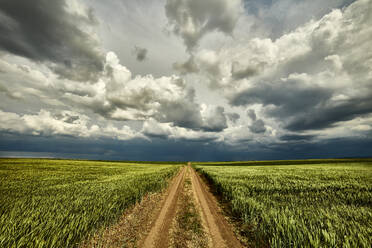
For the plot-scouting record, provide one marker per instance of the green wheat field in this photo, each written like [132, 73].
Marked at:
[57, 203]
[308, 203]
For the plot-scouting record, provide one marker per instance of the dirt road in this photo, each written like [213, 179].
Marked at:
[216, 228]
[184, 215]
[159, 234]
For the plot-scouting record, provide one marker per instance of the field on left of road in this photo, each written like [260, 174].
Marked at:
[57, 203]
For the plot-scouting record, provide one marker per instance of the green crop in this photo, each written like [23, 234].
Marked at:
[57, 203]
[322, 205]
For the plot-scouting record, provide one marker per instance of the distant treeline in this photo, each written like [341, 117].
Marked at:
[226, 163]
[286, 162]
[112, 161]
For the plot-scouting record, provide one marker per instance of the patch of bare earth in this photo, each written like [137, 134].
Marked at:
[220, 231]
[159, 233]
[134, 225]
[241, 230]
[186, 215]
[187, 229]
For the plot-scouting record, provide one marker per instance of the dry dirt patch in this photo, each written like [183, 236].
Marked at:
[185, 215]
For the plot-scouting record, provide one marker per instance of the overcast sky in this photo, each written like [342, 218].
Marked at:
[186, 79]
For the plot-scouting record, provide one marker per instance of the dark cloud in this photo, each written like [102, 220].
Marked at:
[238, 72]
[187, 67]
[155, 135]
[281, 16]
[321, 83]
[257, 126]
[302, 107]
[198, 140]
[319, 118]
[314, 77]
[71, 118]
[289, 96]
[45, 31]
[187, 114]
[234, 117]
[193, 19]
[66, 117]
[177, 150]
[182, 113]
[288, 99]
[216, 120]
[140, 53]
[297, 137]
[251, 114]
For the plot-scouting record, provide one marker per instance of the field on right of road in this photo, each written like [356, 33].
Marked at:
[315, 204]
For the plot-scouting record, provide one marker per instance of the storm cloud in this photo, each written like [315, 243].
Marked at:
[234, 117]
[193, 19]
[186, 79]
[140, 53]
[53, 32]
[187, 67]
[306, 79]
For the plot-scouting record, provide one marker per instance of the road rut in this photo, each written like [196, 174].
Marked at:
[218, 229]
[215, 225]
[159, 234]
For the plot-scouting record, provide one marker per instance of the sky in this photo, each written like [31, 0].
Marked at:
[186, 80]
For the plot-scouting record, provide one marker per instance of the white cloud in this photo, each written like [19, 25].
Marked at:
[46, 124]
[69, 123]
[214, 118]
[138, 23]
[117, 95]
[152, 128]
[310, 78]
[275, 18]
[314, 78]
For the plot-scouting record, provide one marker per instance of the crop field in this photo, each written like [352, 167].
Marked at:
[320, 204]
[57, 203]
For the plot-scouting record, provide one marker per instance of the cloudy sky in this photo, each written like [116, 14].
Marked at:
[186, 79]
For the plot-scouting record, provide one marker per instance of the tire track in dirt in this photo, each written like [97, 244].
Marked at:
[218, 229]
[187, 229]
[159, 233]
[215, 226]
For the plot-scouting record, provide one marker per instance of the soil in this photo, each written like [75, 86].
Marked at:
[186, 214]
